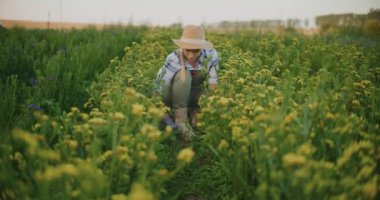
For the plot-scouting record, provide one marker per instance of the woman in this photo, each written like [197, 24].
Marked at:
[182, 76]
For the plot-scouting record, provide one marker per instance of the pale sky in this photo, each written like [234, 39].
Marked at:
[165, 12]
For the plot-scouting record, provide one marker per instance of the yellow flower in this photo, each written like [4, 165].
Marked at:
[361, 85]
[330, 116]
[152, 157]
[107, 154]
[75, 193]
[292, 159]
[329, 142]
[154, 135]
[122, 158]
[313, 105]
[77, 128]
[137, 109]
[302, 173]
[130, 92]
[95, 112]
[141, 154]
[85, 116]
[351, 150]
[27, 138]
[240, 81]
[54, 124]
[69, 169]
[365, 172]
[51, 173]
[261, 95]
[223, 144]
[200, 124]
[244, 140]
[185, 155]
[73, 144]
[355, 103]
[223, 101]
[168, 130]
[269, 130]
[139, 192]
[306, 149]
[119, 197]
[20, 161]
[366, 82]
[156, 113]
[104, 94]
[97, 121]
[44, 118]
[163, 172]
[88, 103]
[74, 110]
[141, 145]
[336, 96]
[147, 128]
[244, 149]
[122, 150]
[126, 138]
[128, 160]
[370, 190]
[289, 118]
[69, 115]
[49, 155]
[261, 117]
[106, 103]
[236, 132]
[36, 127]
[117, 116]
[258, 109]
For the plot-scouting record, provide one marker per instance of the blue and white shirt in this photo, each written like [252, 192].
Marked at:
[208, 61]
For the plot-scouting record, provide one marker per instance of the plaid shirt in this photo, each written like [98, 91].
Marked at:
[208, 61]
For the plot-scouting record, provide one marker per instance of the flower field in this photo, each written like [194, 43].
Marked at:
[293, 117]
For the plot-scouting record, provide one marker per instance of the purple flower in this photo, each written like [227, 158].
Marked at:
[63, 50]
[33, 82]
[169, 122]
[34, 107]
[51, 78]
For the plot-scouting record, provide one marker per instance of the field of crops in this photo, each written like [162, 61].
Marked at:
[293, 117]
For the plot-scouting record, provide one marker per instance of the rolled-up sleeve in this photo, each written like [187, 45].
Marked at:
[213, 76]
[166, 72]
[214, 66]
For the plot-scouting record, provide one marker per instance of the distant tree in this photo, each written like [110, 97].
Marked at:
[340, 21]
[372, 22]
[306, 23]
[176, 25]
[293, 23]
[225, 24]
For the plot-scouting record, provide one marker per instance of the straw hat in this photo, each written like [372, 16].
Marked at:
[193, 37]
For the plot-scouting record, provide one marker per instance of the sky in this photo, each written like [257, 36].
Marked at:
[166, 12]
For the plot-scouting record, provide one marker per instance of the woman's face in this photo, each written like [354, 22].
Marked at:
[191, 54]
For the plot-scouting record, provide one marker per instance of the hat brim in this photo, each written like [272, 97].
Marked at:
[185, 45]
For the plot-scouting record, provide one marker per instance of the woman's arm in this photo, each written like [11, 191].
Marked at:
[214, 66]
[166, 72]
